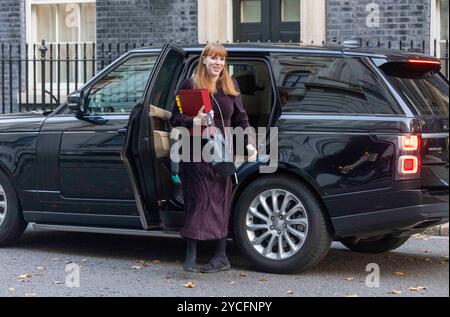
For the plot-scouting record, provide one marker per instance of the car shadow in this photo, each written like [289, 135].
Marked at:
[339, 260]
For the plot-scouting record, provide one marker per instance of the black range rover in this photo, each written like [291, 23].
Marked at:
[362, 152]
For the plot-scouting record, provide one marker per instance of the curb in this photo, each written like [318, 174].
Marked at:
[441, 230]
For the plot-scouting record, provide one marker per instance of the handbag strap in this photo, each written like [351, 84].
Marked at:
[220, 110]
[221, 116]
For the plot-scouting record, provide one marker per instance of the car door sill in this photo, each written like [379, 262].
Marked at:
[133, 232]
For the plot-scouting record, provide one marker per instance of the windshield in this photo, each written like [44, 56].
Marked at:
[427, 94]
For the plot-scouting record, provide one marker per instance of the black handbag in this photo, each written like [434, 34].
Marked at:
[222, 156]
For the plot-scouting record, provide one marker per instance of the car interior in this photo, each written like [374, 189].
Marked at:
[257, 96]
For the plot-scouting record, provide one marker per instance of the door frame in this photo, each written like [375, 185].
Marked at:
[145, 189]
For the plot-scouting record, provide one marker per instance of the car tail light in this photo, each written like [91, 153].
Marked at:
[424, 62]
[410, 142]
[408, 164]
[408, 157]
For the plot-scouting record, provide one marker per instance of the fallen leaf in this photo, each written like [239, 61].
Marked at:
[263, 279]
[394, 292]
[189, 284]
[242, 274]
[290, 292]
[349, 279]
[417, 289]
[445, 258]
[156, 261]
[137, 267]
[11, 289]
[25, 277]
[400, 274]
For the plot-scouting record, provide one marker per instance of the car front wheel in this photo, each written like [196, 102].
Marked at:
[12, 223]
[279, 225]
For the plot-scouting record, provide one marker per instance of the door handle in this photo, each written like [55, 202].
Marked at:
[122, 131]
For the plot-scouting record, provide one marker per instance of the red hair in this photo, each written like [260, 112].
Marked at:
[201, 77]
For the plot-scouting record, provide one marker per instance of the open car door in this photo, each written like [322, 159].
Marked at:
[147, 145]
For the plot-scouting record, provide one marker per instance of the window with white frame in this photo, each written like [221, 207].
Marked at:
[69, 30]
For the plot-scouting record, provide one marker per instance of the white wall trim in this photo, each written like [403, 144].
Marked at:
[215, 21]
[434, 29]
[313, 21]
[230, 21]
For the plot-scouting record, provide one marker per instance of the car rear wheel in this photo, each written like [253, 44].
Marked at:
[279, 225]
[12, 224]
[375, 245]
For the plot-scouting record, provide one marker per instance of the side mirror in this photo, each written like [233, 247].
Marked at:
[75, 101]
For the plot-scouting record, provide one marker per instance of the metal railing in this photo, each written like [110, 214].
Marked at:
[40, 76]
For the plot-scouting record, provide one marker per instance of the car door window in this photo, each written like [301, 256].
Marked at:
[337, 85]
[120, 90]
[163, 89]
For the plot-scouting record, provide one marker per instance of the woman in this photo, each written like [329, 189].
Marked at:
[207, 194]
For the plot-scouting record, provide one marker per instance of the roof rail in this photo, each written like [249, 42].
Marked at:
[355, 43]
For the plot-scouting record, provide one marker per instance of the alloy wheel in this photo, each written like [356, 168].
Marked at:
[277, 224]
[3, 205]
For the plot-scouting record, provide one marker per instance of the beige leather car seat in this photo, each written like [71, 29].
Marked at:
[161, 133]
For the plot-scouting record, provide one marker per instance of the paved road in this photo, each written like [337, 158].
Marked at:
[137, 266]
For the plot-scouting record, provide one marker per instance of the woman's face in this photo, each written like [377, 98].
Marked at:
[214, 65]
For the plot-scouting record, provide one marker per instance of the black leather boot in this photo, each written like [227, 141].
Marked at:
[190, 262]
[220, 260]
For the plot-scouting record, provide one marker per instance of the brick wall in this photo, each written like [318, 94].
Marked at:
[12, 32]
[400, 20]
[150, 21]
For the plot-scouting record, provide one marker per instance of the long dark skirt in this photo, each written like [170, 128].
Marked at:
[207, 201]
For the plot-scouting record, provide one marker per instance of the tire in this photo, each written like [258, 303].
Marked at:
[375, 245]
[12, 224]
[310, 220]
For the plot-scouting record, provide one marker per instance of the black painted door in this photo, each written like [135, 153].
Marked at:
[266, 20]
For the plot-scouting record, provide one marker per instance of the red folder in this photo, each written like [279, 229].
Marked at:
[193, 99]
[190, 101]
